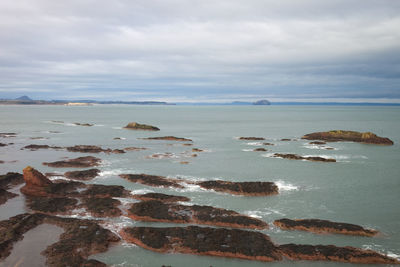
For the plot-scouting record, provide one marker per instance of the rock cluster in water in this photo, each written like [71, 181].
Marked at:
[353, 136]
[152, 180]
[298, 157]
[241, 188]
[168, 138]
[81, 162]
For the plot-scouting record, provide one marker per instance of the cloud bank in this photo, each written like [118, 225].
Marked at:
[204, 50]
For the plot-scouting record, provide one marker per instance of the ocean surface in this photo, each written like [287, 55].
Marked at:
[362, 187]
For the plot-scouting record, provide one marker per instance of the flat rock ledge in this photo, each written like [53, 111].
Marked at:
[81, 239]
[81, 162]
[152, 180]
[298, 157]
[84, 175]
[161, 197]
[252, 138]
[242, 244]
[76, 148]
[241, 188]
[323, 227]
[157, 211]
[168, 138]
[353, 136]
[143, 127]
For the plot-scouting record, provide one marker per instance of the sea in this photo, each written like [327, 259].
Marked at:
[362, 187]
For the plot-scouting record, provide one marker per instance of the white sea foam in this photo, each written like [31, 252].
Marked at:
[117, 128]
[55, 178]
[247, 150]
[285, 186]
[108, 173]
[141, 191]
[393, 255]
[254, 144]
[320, 147]
[339, 157]
[268, 155]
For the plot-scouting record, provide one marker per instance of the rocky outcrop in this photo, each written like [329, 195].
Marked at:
[93, 149]
[81, 239]
[298, 157]
[157, 211]
[168, 138]
[152, 180]
[102, 207]
[333, 253]
[242, 244]
[81, 162]
[232, 243]
[104, 191]
[138, 126]
[241, 188]
[53, 205]
[161, 197]
[340, 135]
[11, 179]
[252, 138]
[82, 175]
[324, 226]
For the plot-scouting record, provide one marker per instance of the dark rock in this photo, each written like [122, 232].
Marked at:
[260, 149]
[134, 148]
[51, 205]
[168, 138]
[152, 180]
[340, 135]
[5, 135]
[333, 253]
[5, 195]
[232, 243]
[324, 226]
[317, 143]
[37, 147]
[298, 157]
[2, 144]
[268, 144]
[138, 126]
[161, 197]
[85, 149]
[82, 175]
[197, 150]
[11, 179]
[117, 151]
[81, 239]
[105, 191]
[83, 124]
[252, 138]
[286, 139]
[157, 211]
[81, 162]
[241, 188]
[102, 207]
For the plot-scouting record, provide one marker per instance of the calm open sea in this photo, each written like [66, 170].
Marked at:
[363, 187]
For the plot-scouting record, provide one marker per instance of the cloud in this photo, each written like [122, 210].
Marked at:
[193, 49]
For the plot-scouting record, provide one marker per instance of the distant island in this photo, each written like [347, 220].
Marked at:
[25, 100]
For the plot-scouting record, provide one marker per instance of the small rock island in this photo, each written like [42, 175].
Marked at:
[353, 136]
[143, 127]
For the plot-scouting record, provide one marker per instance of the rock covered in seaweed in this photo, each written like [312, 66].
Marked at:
[341, 135]
[241, 188]
[152, 180]
[157, 211]
[161, 197]
[84, 175]
[81, 162]
[138, 126]
[324, 226]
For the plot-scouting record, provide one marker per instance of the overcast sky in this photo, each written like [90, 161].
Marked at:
[182, 50]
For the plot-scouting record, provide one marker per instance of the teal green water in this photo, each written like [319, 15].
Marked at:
[361, 188]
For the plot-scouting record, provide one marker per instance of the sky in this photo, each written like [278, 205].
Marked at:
[201, 51]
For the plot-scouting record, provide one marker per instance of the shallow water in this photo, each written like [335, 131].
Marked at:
[361, 188]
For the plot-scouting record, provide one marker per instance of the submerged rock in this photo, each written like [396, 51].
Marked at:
[340, 135]
[168, 138]
[241, 188]
[82, 175]
[157, 211]
[252, 138]
[138, 126]
[81, 162]
[161, 197]
[81, 239]
[152, 180]
[324, 226]
[232, 243]
[298, 157]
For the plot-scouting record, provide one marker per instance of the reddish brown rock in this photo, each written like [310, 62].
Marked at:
[187, 144]
[81, 162]
[152, 180]
[161, 197]
[35, 178]
[184, 162]
[260, 149]
[197, 150]
[81, 239]
[324, 226]
[232, 243]
[298, 157]
[340, 135]
[241, 188]
[252, 138]
[157, 211]
[82, 175]
[333, 253]
[168, 138]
